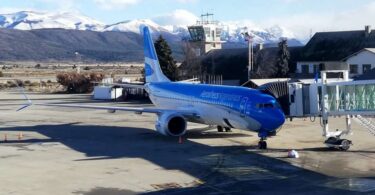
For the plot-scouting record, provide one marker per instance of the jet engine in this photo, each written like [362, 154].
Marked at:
[171, 124]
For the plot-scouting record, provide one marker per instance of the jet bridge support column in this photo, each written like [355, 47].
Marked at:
[324, 104]
[333, 138]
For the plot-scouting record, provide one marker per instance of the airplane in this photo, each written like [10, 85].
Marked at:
[177, 103]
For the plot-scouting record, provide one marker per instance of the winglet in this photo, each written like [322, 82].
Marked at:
[29, 102]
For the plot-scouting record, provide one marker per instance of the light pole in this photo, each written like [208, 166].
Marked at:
[78, 59]
[249, 39]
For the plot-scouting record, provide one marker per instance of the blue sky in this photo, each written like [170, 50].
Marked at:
[302, 16]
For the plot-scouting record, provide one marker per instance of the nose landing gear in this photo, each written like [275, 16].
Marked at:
[262, 144]
[220, 129]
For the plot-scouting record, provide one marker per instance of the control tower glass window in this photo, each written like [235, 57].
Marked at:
[218, 32]
[196, 33]
[207, 31]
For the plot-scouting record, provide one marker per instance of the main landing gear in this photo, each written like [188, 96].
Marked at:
[221, 129]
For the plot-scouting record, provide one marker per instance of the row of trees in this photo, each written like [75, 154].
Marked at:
[79, 83]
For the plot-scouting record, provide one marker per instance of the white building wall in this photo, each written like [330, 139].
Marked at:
[310, 64]
[364, 57]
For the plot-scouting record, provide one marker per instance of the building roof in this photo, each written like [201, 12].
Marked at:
[372, 50]
[260, 82]
[335, 46]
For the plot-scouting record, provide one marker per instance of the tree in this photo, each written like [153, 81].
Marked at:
[167, 63]
[78, 83]
[283, 59]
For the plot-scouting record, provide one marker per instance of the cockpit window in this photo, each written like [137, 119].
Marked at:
[277, 105]
[268, 105]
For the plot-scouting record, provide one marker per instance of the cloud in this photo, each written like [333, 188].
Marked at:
[115, 4]
[61, 5]
[303, 24]
[9, 10]
[178, 17]
[187, 1]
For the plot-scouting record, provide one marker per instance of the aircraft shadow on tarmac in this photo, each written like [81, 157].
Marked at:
[224, 174]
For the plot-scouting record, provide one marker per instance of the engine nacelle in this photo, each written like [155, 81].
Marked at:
[171, 124]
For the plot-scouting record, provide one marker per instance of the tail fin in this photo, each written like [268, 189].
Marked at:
[153, 72]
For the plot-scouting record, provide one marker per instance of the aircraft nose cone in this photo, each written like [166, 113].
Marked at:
[279, 118]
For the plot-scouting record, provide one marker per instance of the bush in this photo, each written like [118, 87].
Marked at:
[34, 84]
[79, 83]
[11, 84]
[1, 74]
[27, 82]
[86, 68]
[38, 66]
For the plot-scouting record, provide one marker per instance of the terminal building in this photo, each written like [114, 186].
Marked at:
[356, 48]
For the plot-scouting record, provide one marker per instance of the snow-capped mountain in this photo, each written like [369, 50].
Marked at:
[232, 31]
[134, 26]
[28, 20]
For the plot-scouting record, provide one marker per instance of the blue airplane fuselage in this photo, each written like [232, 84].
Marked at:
[229, 106]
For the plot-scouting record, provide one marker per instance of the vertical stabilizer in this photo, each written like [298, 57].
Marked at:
[153, 72]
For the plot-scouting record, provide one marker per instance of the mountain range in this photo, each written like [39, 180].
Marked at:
[49, 29]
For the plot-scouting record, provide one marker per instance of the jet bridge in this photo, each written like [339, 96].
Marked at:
[327, 98]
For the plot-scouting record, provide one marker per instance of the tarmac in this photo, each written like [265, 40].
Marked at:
[46, 150]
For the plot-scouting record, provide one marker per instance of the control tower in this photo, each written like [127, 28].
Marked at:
[205, 35]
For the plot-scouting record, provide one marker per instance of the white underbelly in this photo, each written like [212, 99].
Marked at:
[210, 114]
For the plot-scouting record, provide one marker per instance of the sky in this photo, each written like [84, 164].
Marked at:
[302, 17]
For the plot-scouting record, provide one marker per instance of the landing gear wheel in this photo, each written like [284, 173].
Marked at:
[220, 129]
[262, 145]
[345, 144]
[227, 129]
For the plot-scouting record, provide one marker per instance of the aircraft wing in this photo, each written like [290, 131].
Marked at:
[140, 86]
[119, 108]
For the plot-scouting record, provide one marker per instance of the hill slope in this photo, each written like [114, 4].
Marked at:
[61, 44]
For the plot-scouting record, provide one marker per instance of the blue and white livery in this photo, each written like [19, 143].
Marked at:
[177, 103]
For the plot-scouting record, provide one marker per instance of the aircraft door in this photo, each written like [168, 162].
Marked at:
[243, 106]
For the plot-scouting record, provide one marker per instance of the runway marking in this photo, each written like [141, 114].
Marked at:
[164, 186]
[240, 171]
